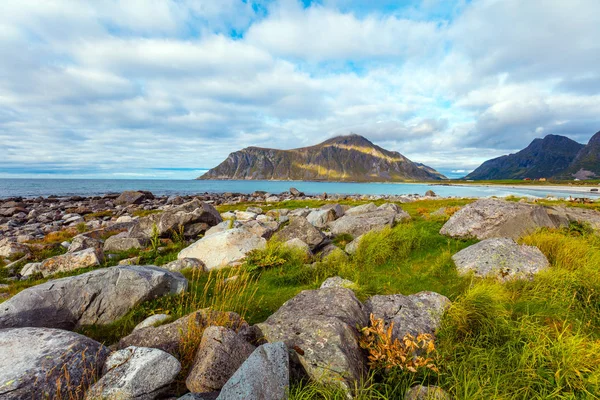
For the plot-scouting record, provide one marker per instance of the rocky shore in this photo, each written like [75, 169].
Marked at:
[314, 336]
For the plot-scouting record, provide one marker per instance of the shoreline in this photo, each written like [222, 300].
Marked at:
[557, 188]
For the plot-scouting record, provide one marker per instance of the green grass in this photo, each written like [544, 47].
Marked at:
[537, 339]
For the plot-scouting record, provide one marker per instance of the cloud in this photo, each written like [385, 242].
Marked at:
[162, 88]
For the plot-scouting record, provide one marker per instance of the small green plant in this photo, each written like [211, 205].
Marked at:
[178, 235]
[155, 239]
[81, 227]
[342, 240]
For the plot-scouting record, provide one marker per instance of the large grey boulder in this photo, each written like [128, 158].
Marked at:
[322, 328]
[487, 218]
[577, 214]
[83, 242]
[300, 228]
[94, 298]
[135, 373]
[502, 258]
[221, 352]
[263, 376]
[320, 218]
[132, 197]
[223, 249]
[10, 248]
[195, 217]
[170, 337]
[90, 257]
[415, 314]
[122, 242]
[362, 219]
[39, 363]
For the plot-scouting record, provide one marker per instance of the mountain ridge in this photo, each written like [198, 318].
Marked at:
[349, 158]
[544, 157]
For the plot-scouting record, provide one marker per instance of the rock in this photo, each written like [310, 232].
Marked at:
[337, 281]
[421, 392]
[255, 210]
[576, 214]
[130, 197]
[83, 242]
[487, 218]
[362, 219]
[225, 248]
[124, 219]
[169, 337]
[121, 242]
[153, 320]
[295, 192]
[185, 263]
[430, 193]
[135, 373]
[337, 209]
[223, 226]
[195, 216]
[31, 269]
[418, 313]
[130, 261]
[273, 199]
[502, 258]
[47, 363]
[300, 228]
[200, 396]
[94, 298]
[245, 215]
[352, 247]
[320, 218]
[9, 249]
[321, 326]
[220, 354]
[71, 261]
[263, 376]
[264, 229]
[299, 244]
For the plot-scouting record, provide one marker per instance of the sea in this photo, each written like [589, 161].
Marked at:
[28, 188]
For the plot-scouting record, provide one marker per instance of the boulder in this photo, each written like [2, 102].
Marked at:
[195, 217]
[487, 218]
[170, 337]
[418, 313]
[132, 197]
[337, 209]
[300, 228]
[47, 363]
[577, 214]
[502, 258]
[185, 263]
[263, 376]
[83, 242]
[31, 269]
[421, 392]
[245, 215]
[295, 192]
[223, 249]
[10, 248]
[352, 247]
[122, 242]
[71, 261]
[221, 352]
[97, 297]
[135, 373]
[152, 320]
[321, 326]
[320, 218]
[362, 219]
[299, 244]
[337, 281]
[264, 229]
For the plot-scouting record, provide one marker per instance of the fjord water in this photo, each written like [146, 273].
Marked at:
[92, 187]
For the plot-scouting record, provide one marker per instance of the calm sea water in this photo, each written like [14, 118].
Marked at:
[90, 187]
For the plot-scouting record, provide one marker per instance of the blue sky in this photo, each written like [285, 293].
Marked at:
[168, 88]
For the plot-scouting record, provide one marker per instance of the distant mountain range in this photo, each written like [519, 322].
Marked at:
[551, 157]
[350, 158]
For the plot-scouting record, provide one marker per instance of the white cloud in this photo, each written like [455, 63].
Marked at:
[106, 84]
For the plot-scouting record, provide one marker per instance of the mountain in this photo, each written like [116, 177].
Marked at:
[349, 158]
[543, 158]
[586, 164]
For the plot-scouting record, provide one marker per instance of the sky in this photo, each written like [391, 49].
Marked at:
[168, 88]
